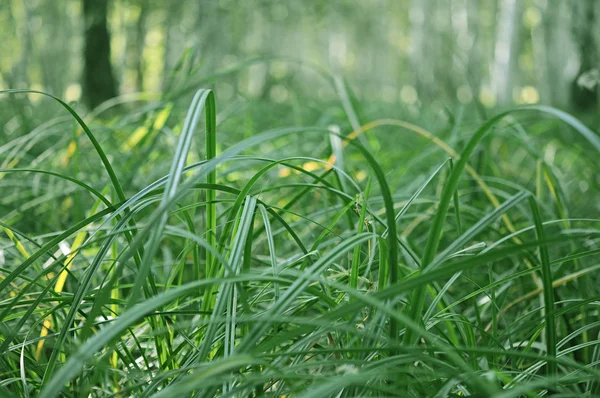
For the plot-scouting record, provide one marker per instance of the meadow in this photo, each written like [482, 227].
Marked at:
[302, 245]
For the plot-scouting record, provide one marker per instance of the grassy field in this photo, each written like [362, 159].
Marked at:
[178, 245]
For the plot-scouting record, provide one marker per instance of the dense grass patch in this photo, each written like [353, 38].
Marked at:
[143, 255]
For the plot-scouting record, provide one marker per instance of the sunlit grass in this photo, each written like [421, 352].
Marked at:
[298, 261]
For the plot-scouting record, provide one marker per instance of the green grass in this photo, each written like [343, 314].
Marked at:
[145, 256]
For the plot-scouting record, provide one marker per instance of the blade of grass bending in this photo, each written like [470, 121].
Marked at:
[153, 234]
[211, 178]
[478, 227]
[555, 284]
[433, 240]
[456, 204]
[298, 287]
[594, 386]
[211, 270]
[82, 289]
[391, 224]
[104, 159]
[372, 300]
[92, 345]
[47, 247]
[198, 354]
[92, 191]
[17, 242]
[387, 198]
[586, 285]
[414, 282]
[217, 370]
[270, 210]
[389, 205]
[105, 162]
[60, 282]
[329, 228]
[24, 317]
[35, 256]
[565, 117]
[361, 224]
[95, 343]
[271, 245]
[203, 100]
[417, 193]
[384, 267]
[587, 133]
[548, 292]
[230, 292]
[188, 219]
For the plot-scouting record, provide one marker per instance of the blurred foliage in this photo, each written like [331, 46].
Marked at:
[414, 53]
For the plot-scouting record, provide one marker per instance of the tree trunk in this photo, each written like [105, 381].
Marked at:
[584, 96]
[505, 50]
[98, 79]
[171, 42]
[419, 46]
[140, 43]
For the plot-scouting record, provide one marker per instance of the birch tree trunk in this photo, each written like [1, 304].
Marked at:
[505, 50]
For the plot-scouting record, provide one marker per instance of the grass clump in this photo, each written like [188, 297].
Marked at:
[144, 257]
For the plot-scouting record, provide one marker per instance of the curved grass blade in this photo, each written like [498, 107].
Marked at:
[433, 240]
[548, 292]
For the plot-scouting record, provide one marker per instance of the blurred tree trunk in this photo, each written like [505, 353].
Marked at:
[98, 79]
[419, 45]
[505, 49]
[583, 96]
[540, 47]
[475, 58]
[553, 52]
[446, 47]
[169, 54]
[140, 35]
[461, 37]
[18, 76]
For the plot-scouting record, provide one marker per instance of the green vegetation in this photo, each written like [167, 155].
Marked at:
[291, 274]
[308, 241]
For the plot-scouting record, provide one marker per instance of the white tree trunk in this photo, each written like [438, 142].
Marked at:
[505, 50]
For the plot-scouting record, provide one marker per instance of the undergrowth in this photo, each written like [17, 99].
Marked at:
[142, 255]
